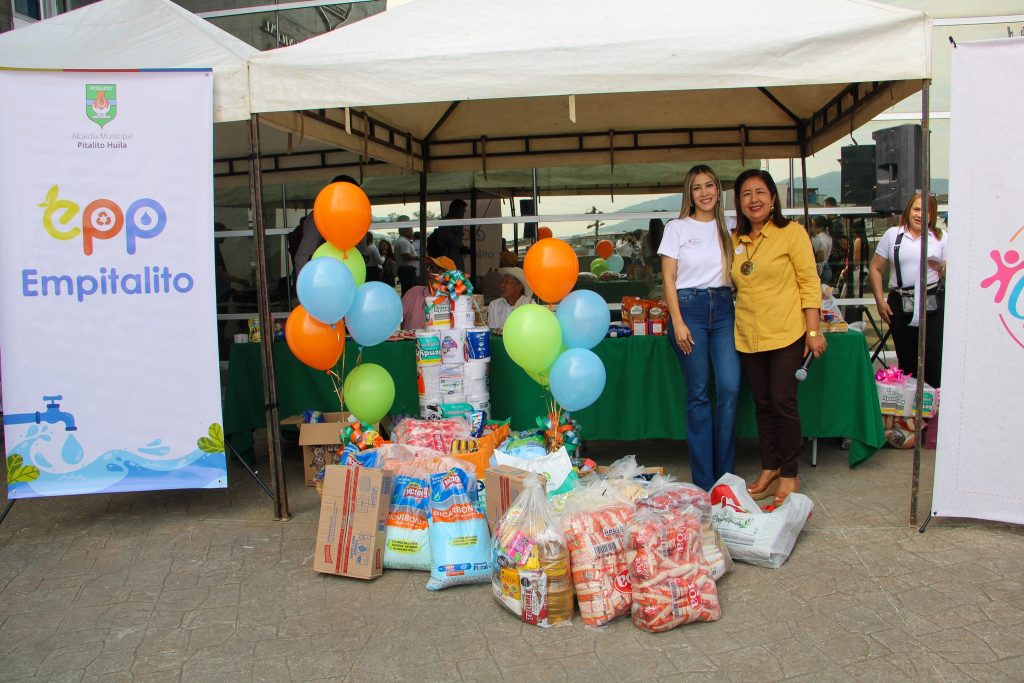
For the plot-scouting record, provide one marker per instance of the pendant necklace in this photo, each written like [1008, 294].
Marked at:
[747, 267]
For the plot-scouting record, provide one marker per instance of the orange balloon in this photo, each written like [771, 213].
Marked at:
[551, 268]
[314, 343]
[605, 248]
[342, 214]
[544, 232]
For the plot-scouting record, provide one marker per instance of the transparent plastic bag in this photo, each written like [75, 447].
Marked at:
[594, 523]
[625, 476]
[531, 560]
[672, 583]
[435, 434]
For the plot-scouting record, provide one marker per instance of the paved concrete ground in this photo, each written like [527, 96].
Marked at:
[203, 585]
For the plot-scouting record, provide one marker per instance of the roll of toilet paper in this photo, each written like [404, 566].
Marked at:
[453, 344]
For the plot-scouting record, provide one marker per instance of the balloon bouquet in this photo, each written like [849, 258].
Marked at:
[333, 294]
[554, 347]
[607, 260]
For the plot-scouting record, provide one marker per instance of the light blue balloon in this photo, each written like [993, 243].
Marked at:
[375, 314]
[615, 263]
[326, 289]
[577, 379]
[584, 318]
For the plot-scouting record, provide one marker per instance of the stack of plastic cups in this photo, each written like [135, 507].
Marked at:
[428, 371]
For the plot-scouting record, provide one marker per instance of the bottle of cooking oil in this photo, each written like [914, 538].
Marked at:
[554, 562]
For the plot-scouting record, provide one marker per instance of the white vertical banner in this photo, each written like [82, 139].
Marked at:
[107, 300]
[979, 464]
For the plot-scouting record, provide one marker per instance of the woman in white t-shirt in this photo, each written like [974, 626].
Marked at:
[696, 255]
[899, 308]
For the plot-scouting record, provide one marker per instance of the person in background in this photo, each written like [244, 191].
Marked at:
[447, 240]
[311, 239]
[655, 232]
[696, 256]
[372, 258]
[625, 247]
[406, 258]
[507, 258]
[515, 292]
[778, 302]
[413, 316]
[389, 268]
[821, 243]
[901, 247]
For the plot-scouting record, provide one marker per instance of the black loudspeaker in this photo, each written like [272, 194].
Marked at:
[897, 167]
[858, 175]
[526, 208]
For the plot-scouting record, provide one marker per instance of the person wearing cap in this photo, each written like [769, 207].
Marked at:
[413, 317]
[515, 292]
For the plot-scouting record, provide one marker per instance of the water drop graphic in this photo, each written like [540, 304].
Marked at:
[72, 451]
[42, 461]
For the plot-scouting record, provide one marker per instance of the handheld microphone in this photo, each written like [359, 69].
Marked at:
[801, 372]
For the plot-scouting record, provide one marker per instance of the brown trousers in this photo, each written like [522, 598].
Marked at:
[773, 384]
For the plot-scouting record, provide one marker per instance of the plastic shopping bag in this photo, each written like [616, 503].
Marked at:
[751, 534]
[459, 542]
[556, 468]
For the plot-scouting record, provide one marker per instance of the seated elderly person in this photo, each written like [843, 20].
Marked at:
[515, 292]
[413, 315]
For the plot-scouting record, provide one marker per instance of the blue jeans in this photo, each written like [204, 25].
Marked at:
[711, 438]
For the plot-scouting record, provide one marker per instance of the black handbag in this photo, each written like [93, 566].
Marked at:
[931, 302]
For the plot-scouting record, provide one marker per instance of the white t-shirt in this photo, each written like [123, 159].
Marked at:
[625, 248]
[695, 247]
[499, 310]
[404, 246]
[910, 255]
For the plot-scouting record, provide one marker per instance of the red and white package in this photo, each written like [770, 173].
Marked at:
[657, 318]
[671, 581]
[434, 434]
[595, 533]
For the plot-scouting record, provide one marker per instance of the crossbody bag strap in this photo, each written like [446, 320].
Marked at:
[896, 260]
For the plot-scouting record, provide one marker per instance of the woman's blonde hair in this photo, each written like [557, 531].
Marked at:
[933, 214]
[689, 208]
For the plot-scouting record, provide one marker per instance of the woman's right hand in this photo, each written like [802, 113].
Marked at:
[884, 311]
[684, 339]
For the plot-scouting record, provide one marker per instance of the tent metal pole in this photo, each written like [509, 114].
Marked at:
[536, 207]
[266, 323]
[423, 216]
[472, 234]
[922, 333]
[803, 172]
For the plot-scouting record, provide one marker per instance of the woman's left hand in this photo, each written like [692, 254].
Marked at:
[815, 345]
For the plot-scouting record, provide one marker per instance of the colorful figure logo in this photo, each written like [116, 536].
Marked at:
[101, 103]
[102, 219]
[1008, 266]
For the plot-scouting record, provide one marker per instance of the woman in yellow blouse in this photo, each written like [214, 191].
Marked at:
[778, 297]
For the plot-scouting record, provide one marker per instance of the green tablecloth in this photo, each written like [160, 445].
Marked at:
[644, 397]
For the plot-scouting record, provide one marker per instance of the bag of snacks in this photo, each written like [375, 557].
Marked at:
[657, 318]
[531, 561]
[594, 522]
[459, 542]
[435, 434]
[672, 583]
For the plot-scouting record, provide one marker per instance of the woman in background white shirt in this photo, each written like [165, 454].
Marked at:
[696, 256]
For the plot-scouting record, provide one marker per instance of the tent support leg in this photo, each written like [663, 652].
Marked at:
[7, 508]
[423, 217]
[927, 521]
[266, 323]
[922, 334]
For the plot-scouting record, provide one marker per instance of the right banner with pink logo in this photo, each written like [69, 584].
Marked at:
[979, 465]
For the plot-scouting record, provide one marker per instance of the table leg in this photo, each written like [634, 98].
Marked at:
[814, 452]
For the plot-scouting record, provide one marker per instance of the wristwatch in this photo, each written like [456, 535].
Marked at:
[813, 333]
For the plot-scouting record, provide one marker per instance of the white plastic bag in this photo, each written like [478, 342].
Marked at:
[555, 467]
[751, 534]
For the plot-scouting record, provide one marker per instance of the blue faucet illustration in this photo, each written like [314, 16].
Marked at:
[53, 414]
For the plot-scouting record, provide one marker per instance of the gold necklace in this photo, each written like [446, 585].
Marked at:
[747, 267]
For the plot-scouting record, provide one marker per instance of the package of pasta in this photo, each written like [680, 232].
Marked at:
[531, 561]
[460, 547]
[594, 523]
[667, 494]
[671, 581]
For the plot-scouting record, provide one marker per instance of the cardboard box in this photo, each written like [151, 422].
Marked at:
[503, 484]
[353, 522]
[320, 441]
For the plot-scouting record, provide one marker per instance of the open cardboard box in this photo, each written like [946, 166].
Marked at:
[320, 440]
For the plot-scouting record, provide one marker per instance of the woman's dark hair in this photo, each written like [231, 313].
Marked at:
[655, 231]
[820, 221]
[776, 217]
[384, 247]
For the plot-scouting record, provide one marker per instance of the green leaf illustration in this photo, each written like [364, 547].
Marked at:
[214, 443]
[18, 472]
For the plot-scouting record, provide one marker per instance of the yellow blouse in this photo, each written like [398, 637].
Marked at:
[782, 282]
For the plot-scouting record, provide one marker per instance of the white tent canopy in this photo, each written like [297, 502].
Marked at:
[137, 34]
[471, 85]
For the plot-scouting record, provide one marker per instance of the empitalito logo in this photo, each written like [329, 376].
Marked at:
[101, 102]
[1009, 264]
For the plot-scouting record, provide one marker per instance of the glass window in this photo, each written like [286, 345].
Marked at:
[28, 8]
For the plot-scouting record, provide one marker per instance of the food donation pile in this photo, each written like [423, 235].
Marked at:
[477, 503]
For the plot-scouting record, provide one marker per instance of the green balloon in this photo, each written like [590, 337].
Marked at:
[352, 259]
[598, 266]
[540, 378]
[369, 392]
[533, 338]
